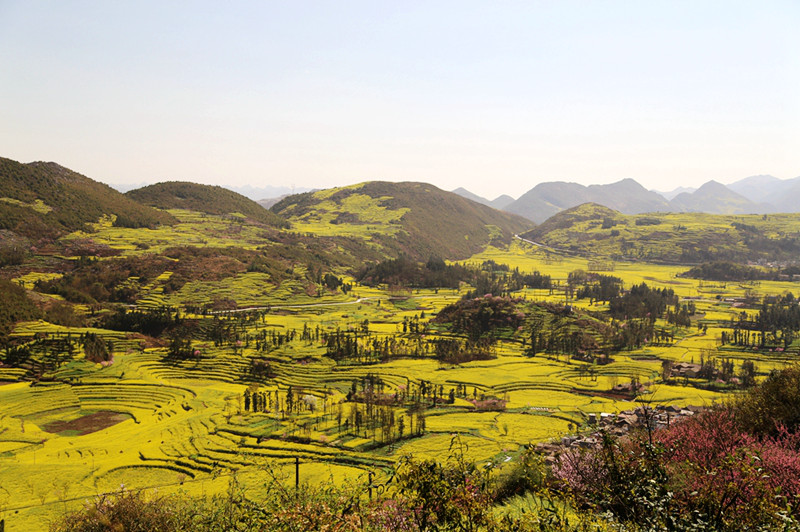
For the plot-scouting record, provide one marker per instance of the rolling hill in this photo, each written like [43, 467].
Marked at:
[417, 219]
[594, 231]
[716, 198]
[501, 202]
[758, 187]
[203, 198]
[782, 194]
[46, 200]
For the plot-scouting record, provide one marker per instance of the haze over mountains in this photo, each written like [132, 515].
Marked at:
[759, 194]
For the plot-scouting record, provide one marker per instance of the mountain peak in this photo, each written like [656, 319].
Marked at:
[712, 185]
[546, 199]
[713, 197]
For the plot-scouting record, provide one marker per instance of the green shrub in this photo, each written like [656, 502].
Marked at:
[527, 474]
[129, 511]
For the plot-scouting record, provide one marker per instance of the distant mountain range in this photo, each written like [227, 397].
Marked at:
[668, 195]
[760, 194]
[500, 202]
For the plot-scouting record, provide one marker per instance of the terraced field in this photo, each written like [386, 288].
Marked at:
[150, 420]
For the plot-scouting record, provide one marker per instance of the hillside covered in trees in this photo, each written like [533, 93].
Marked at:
[684, 238]
[45, 200]
[203, 198]
[417, 219]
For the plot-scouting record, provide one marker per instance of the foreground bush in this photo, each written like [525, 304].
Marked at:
[720, 470]
[129, 511]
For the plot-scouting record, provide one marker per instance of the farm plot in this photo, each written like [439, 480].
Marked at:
[154, 417]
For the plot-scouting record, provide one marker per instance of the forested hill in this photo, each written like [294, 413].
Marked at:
[595, 231]
[203, 198]
[417, 219]
[571, 217]
[45, 200]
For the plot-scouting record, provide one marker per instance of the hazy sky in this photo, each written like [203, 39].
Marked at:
[494, 96]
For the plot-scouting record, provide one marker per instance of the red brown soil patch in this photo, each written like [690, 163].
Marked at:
[86, 424]
[147, 341]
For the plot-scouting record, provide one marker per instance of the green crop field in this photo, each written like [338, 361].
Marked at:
[156, 414]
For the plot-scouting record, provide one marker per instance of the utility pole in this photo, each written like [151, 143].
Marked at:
[296, 477]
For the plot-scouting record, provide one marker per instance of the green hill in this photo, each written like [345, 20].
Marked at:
[45, 200]
[592, 230]
[570, 217]
[203, 198]
[417, 219]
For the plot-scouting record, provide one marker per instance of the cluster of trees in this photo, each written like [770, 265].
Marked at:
[638, 308]
[560, 335]
[591, 340]
[47, 352]
[152, 322]
[232, 330]
[97, 349]
[728, 271]
[457, 351]
[501, 282]
[354, 347]
[370, 410]
[515, 279]
[775, 325]
[680, 315]
[268, 340]
[482, 316]
[14, 306]
[181, 348]
[383, 423]
[561, 329]
[292, 402]
[373, 410]
[641, 301]
[227, 330]
[594, 286]
[489, 278]
[11, 255]
[403, 271]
